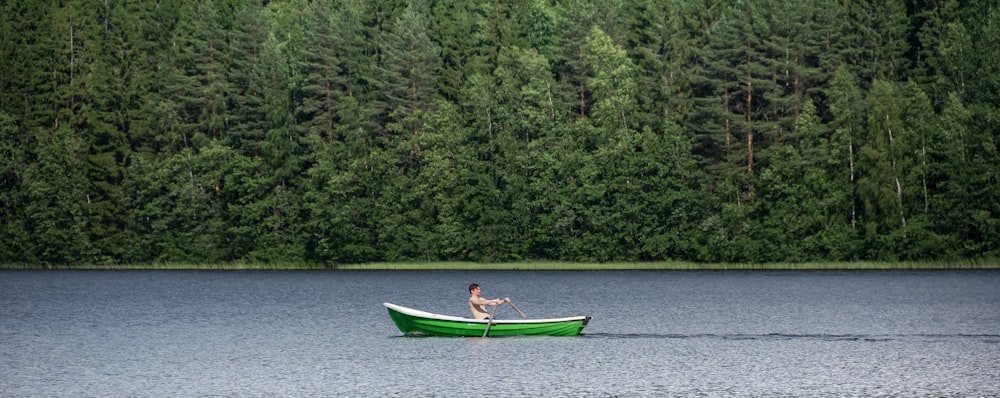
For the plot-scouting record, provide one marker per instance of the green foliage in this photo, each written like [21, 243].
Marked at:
[55, 198]
[613, 84]
[13, 235]
[352, 131]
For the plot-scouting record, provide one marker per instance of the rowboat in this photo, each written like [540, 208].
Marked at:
[419, 323]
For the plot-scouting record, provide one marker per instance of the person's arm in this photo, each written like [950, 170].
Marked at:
[482, 301]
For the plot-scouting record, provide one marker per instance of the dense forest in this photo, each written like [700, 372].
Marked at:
[343, 131]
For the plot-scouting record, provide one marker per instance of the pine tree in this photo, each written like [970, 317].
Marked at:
[964, 203]
[661, 45]
[315, 69]
[8, 50]
[249, 78]
[191, 82]
[106, 120]
[54, 198]
[14, 236]
[456, 28]
[736, 96]
[803, 197]
[878, 37]
[580, 17]
[410, 73]
[357, 103]
[146, 38]
[537, 22]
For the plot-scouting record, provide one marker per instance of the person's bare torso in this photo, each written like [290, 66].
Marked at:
[477, 305]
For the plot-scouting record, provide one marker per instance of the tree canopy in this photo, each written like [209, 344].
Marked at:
[342, 131]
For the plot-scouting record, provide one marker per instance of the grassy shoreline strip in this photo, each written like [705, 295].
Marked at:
[529, 266]
[670, 266]
[170, 267]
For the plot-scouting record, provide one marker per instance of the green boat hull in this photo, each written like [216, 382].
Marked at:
[418, 323]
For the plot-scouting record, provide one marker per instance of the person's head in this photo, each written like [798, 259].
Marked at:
[473, 288]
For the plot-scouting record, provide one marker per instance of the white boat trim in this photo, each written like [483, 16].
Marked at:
[424, 314]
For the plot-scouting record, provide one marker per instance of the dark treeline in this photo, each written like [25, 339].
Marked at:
[338, 131]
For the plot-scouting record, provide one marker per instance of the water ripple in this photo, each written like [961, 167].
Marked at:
[986, 338]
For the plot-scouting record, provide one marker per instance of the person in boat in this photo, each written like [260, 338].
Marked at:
[478, 304]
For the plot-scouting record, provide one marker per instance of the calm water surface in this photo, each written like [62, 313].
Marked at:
[246, 334]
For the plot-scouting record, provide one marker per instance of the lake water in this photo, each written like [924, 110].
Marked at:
[249, 334]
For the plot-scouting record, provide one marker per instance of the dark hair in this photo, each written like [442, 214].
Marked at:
[473, 286]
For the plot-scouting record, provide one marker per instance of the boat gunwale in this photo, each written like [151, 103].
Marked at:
[428, 315]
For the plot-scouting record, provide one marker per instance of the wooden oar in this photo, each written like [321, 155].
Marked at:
[518, 310]
[490, 323]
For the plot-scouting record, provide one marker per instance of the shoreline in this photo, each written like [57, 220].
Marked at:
[530, 266]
